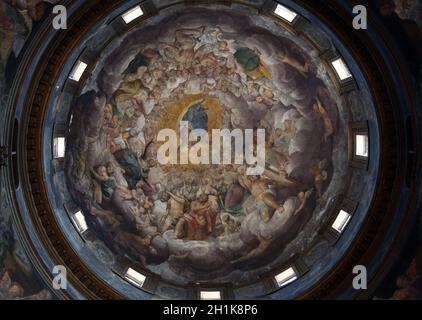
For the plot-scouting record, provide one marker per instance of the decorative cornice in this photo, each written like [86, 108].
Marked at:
[392, 165]
[32, 174]
[3, 156]
[382, 210]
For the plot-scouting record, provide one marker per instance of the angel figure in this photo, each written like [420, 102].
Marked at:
[322, 113]
[320, 175]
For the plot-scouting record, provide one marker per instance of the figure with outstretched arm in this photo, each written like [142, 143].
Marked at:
[262, 187]
[107, 184]
[303, 68]
[185, 37]
[175, 208]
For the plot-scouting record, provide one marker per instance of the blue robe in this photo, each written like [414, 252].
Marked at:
[129, 162]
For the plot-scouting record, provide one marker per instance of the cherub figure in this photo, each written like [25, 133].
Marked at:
[107, 185]
[207, 188]
[303, 197]
[199, 222]
[262, 188]
[229, 224]
[320, 175]
[322, 113]
[301, 67]
[175, 208]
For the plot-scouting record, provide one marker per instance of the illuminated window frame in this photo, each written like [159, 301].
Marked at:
[210, 295]
[360, 148]
[361, 141]
[132, 14]
[59, 147]
[285, 13]
[341, 69]
[78, 71]
[341, 221]
[79, 221]
[286, 277]
[134, 277]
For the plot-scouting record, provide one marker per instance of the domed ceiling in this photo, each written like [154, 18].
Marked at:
[210, 147]
[207, 222]
[239, 149]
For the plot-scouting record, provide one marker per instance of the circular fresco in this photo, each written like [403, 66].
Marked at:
[207, 222]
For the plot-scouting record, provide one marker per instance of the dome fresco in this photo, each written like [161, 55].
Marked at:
[210, 150]
[208, 222]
